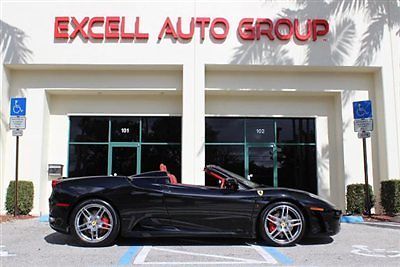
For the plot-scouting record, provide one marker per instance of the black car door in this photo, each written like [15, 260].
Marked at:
[207, 209]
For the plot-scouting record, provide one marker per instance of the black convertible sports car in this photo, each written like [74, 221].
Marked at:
[95, 210]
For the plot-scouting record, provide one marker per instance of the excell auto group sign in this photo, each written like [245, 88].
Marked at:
[103, 28]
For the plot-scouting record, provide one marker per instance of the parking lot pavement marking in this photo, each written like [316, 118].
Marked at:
[141, 256]
[4, 253]
[279, 256]
[44, 218]
[378, 253]
[128, 256]
[267, 256]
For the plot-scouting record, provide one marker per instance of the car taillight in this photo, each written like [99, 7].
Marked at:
[55, 182]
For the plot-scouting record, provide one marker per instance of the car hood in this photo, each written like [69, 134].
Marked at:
[300, 195]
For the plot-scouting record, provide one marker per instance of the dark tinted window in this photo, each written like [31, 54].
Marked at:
[87, 160]
[125, 129]
[295, 130]
[88, 129]
[170, 155]
[259, 130]
[224, 130]
[297, 167]
[230, 157]
[161, 129]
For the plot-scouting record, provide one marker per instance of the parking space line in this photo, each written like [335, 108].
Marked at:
[279, 256]
[205, 255]
[202, 262]
[267, 256]
[128, 256]
[141, 256]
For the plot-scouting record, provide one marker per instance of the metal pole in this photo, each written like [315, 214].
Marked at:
[16, 179]
[366, 188]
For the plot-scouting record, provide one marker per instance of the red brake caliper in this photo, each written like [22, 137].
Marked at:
[271, 226]
[105, 220]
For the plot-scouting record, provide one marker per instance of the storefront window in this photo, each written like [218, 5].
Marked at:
[260, 130]
[125, 129]
[170, 155]
[123, 145]
[224, 130]
[268, 151]
[88, 129]
[161, 129]
[87, 160]
[230, 157]
[295, 130]
[297, 167]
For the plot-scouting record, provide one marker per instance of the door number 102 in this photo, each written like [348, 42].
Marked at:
[260, 131]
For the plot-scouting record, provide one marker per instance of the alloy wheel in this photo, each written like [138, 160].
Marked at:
[94, 223]
[283, 224]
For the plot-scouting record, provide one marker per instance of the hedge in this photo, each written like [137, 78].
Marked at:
[356, 199]
[25, 197]
[390, 196]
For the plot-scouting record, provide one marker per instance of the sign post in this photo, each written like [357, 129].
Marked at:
[17, 125]
[363, 124]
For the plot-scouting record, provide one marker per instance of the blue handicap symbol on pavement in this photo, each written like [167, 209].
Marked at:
[18, 107]
[362, 109]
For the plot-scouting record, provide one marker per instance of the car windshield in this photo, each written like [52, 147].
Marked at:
[239, 178]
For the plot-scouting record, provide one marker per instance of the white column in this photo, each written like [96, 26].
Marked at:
[33, 148]
[193, 110]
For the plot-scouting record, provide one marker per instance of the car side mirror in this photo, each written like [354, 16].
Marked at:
[231, 184]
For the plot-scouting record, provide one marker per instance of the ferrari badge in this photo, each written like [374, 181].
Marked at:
[260, 192]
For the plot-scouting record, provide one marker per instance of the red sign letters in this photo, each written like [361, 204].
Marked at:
[103, 28]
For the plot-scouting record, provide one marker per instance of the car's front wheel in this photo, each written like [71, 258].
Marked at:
[94, 223]
[282, 224]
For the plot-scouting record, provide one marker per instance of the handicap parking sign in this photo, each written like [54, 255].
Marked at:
[18, 107]
[362, 109]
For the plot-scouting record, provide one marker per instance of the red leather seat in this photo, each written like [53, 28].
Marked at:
[172, 177]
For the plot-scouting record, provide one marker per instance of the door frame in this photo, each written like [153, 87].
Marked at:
[274, 158]
[123, 144]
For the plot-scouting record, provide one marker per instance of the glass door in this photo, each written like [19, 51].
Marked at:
[261, 167]
[124, 160]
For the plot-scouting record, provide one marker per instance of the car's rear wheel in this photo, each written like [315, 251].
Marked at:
[282, 224]
[94, 223]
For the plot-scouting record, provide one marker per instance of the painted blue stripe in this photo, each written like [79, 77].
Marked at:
[129, 255]
[44, 218]
[352, 219]
[279, 256]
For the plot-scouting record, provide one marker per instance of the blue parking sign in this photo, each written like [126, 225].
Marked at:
[18, 107]
[362, 109]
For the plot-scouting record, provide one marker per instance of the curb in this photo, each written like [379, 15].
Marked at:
[387, 225]
[352, 219]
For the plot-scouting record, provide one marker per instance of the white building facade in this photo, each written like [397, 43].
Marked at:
[264, 88]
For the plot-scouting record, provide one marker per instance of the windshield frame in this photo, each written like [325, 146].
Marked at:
[240, 179]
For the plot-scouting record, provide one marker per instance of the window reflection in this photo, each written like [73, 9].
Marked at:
[230, 157]
[88, 129]
[161, 129]
[170, 155]
[224, 130]
[295, 130]
[125, 129]
[297, 167]
[87, 160]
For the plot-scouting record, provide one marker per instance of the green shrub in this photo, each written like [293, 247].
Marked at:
[25, 197]
[356, 198]
[390, 196]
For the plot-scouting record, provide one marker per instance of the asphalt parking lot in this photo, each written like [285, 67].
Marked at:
[33, 243]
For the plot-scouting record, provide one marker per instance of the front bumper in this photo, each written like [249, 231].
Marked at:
[324, 222]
